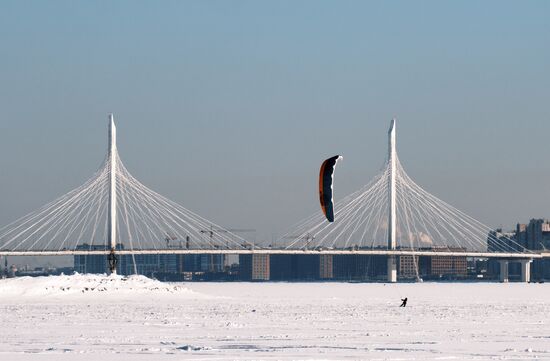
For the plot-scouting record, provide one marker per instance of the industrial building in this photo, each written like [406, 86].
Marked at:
[254, 267]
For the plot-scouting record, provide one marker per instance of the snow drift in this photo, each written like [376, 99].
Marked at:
[87, 285]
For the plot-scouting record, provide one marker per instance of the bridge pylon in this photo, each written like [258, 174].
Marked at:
[112, 217]
[392, 211]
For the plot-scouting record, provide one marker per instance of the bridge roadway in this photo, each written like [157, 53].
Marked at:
[374, 252]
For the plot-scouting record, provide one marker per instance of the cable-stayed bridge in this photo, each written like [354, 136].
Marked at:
[392, 215]
[113, 213]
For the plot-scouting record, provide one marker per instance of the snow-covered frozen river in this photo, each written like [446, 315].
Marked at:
[101, 318]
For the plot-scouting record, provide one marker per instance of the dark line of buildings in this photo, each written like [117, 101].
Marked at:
[265, 267]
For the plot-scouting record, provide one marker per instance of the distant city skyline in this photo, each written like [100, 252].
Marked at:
[230, 108]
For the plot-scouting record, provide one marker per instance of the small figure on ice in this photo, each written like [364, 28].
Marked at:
[404, 302]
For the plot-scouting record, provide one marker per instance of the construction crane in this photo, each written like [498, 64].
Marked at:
[308, 237]
[213, 230]
[171, 237]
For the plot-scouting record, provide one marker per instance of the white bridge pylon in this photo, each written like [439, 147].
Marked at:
[114, 211]
[393, 213]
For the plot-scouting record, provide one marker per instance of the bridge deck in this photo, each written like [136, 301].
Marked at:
[284, 251]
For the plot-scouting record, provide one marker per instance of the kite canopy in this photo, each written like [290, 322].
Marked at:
[326, 176]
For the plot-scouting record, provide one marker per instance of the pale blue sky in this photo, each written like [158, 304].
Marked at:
[229, 107]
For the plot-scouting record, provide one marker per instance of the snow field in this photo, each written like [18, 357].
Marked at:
[62, 318]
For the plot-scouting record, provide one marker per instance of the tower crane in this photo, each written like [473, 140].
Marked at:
[211, 231]
[308, 237]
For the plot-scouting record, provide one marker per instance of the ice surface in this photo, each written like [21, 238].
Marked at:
[56, 318]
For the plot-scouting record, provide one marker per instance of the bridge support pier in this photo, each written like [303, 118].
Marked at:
[526, 270]
[392, 269]
[503, 277]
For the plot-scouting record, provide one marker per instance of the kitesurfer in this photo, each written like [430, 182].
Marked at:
[404, 302]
